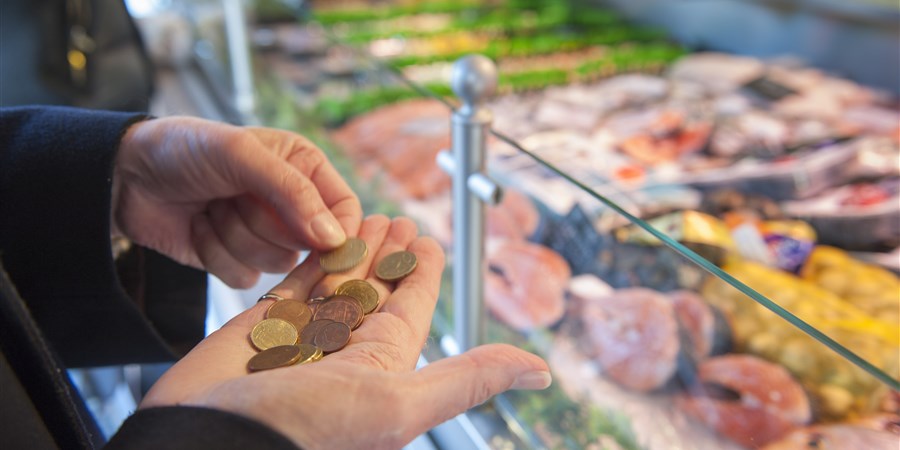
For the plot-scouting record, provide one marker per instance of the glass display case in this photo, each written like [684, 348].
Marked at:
[686, 237]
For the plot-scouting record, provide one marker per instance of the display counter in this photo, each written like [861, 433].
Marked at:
[677, 233]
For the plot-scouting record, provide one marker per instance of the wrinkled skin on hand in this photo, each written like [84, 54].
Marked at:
[235, 201]
[367, 395]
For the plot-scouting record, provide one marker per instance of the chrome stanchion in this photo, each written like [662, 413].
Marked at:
[474, 80]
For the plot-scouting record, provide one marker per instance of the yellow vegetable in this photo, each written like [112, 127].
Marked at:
[824, 373]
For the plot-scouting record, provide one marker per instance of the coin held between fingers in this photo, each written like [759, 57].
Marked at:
[345, 257]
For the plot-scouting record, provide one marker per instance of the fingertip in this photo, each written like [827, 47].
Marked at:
[430, 251]
[406, 224]
[327, 230]
[426, 244]
[379, 222]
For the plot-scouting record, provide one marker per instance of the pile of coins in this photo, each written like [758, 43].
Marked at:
[303, 331]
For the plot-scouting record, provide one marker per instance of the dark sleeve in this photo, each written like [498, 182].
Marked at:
[55, 184]
[191, 428]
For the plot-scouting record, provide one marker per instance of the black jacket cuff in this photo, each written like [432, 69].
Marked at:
[55, 232]
[193, 428]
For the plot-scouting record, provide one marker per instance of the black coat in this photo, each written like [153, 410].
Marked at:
[65, 303]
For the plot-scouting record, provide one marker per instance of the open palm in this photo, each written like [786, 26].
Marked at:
[367, 395]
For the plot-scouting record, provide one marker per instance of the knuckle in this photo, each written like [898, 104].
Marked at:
[308, 158]
[302, 188]
[480, 390]
[480, 393]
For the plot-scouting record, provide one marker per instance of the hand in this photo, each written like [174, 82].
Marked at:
[235, 201]
[367, 395]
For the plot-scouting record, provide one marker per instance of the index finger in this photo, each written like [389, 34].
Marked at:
[338, 197]
[311, 162]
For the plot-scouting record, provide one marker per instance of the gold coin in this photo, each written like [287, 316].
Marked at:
[270, 333]
[293, 311]
[272, 358]
[396, 266]
[308, 353]
[344, 257]
[362, 291]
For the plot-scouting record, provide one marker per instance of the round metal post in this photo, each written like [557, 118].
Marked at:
[474, 80]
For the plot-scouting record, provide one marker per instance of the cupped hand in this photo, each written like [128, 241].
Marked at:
[368, 394]
[235, 201]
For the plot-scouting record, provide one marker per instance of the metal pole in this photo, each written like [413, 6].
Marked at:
[474, 79]
[239, 56]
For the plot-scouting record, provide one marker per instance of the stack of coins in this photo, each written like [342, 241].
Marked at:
[293, 333]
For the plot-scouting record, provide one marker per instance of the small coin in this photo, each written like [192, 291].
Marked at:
[396, 266]
[344, 257]
[333, 337]
[362, 291]
[293, 311]
[308, 353]
[308, 336]
[341, 308]
[275, 357]
[270, 333]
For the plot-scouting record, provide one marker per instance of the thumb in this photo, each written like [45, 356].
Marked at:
[453, 385]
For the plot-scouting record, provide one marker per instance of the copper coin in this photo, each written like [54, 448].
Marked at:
[308, 336]
[341, 308]
[362, 291]
[270, 333]
[293, 311]
[272, 358]
[344, 257]
[333, 337]
[396, 266]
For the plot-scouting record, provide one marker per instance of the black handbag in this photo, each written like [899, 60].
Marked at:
[85, 53]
